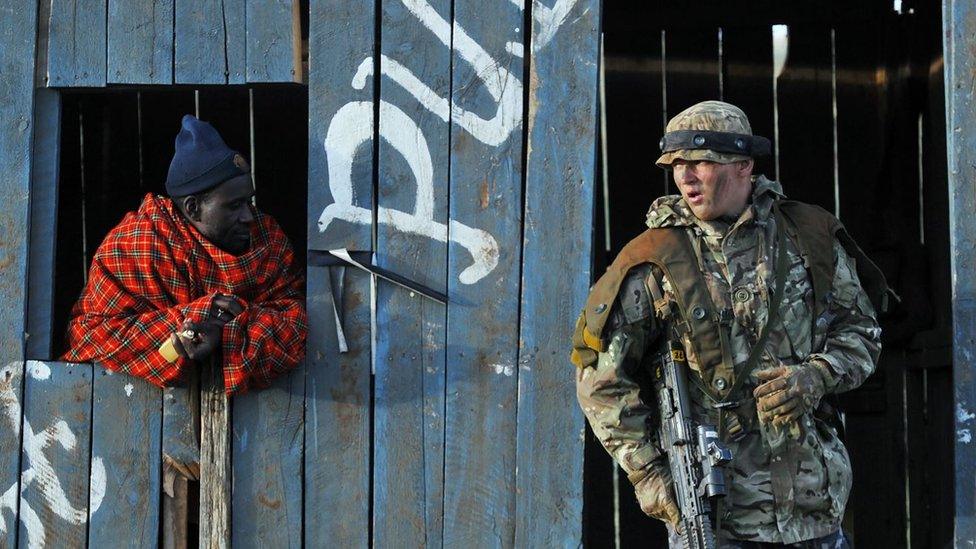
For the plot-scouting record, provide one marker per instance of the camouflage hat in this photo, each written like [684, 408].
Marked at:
[710, 130]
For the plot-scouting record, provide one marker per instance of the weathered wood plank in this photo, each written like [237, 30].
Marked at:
[561, 162]
[235, 25]
[274, 41]
[11, 397]
[17, 39]
[410, 361]
[806, 128]
[200, 43]
[45, 166]
[57, 468]
[337, 400]
[140, 41]
[126, 427]
[215, 456]
[340, 124]
[180, 459]
[960, 66]
[76, 43]
[485, 213]
[268, 440]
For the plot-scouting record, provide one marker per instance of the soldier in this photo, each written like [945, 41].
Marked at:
[714, 287]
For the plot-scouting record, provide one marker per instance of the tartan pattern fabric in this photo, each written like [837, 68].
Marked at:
[155, 270]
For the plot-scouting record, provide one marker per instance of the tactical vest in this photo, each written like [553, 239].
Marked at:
[811, 228]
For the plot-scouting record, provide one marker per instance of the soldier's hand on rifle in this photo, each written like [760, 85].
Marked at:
[655, 495]
[197, 340]
[788, 392]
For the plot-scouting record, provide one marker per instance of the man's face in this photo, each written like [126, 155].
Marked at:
[224, 215]
[712, 189]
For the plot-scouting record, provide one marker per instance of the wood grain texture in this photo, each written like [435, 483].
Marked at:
[200, 42]
[482, 323]
[805, 105]
[44, 221]
[215, 456]
[268, 437]
[126, 427]
[175, 515]
[555, 277]
[235, 25]
[17, 40]
[140, 41]
[337, 400]
[11, 420]
[274, 41]
[57, 463]
[960, 66]
[340, 124]
[408, 456]
[76, 43]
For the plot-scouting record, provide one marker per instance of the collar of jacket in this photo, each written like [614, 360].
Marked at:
[672, 211]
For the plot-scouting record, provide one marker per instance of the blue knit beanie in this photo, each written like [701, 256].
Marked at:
[202, 160]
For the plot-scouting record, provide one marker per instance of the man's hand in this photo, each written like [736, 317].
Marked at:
[201, 344]
[655, 495]
[788, 392]
[224, 308]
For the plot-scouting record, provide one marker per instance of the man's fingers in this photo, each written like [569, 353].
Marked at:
[772, 400]
[785, 409]
[674, 516]
[178, 345]
[769, 387]
[772, 373]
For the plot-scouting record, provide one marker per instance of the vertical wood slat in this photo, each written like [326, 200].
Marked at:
[274, 41]
[44, 221]
[11, 417]
[215, 456]
[340, 124]
[268, 433]
[126, 429]
[140, 41]
[959, 20]
[561, 163]
[805, 104]
[409, 383]
[61, 484]
[482, 325]
[180, 459]
[209, 41]
[76, 43]
[337, 446]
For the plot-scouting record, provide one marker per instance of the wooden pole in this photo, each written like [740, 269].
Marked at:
[215, 452]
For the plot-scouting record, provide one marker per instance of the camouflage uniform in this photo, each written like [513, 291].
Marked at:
[786, 484]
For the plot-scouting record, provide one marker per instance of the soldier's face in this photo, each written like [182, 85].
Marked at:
[711, 189]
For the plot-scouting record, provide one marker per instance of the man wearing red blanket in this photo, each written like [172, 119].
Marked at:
[202, 270]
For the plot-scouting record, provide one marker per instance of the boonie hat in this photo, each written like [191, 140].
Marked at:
[710, 130]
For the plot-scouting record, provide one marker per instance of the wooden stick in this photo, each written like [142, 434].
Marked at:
[215, 452]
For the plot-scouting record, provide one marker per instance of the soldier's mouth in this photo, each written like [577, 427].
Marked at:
[695, 197]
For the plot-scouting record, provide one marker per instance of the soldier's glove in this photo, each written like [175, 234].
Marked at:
[653, 487]
[788, 392]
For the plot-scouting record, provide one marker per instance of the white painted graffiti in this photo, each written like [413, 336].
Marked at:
[352, 126]
[40, 475]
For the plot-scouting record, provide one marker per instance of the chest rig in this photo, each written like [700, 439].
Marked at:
[811, 228]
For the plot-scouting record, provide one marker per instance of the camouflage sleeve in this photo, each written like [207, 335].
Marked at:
[609, 393]
[853, 337]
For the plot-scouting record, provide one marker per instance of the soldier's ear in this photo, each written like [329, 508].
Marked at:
[745, 167]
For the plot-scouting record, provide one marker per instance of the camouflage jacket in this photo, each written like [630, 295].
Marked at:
[785, 486]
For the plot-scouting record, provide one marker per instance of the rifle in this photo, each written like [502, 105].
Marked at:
[695, 452]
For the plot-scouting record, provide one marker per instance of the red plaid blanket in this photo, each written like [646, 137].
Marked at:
[154, 270]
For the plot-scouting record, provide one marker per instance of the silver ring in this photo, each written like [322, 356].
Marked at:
[220, 313]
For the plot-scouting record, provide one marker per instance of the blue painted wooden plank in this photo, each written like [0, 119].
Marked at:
[235, 22]
[180, 444]
[200, 43]
[61, 483]
[17, 40]
[274, 41]
[11, 416]
[140, 41]
[483, 273]
[556, 256]
[76, 43]
[126, 427]
[44, 221]
[410, 341]
[960, 66]
[337, 393]
[340, 124]
[268, 437]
